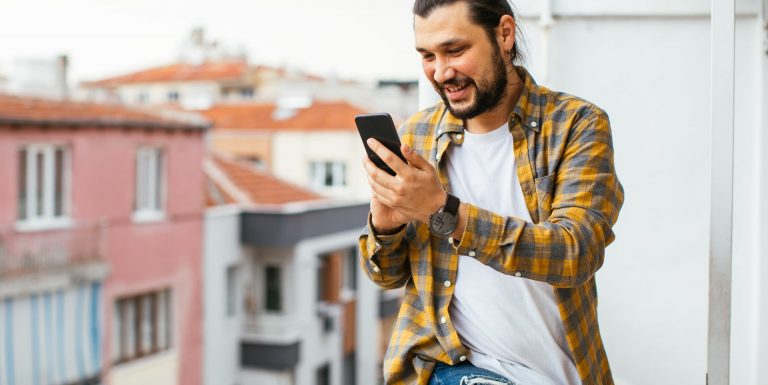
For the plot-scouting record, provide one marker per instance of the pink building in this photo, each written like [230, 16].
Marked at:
[113, 198]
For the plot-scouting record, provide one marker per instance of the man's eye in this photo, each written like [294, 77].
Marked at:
[455, 51]
[428, 57]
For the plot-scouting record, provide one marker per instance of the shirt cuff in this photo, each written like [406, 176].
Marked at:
[380, 243]
[483, 232]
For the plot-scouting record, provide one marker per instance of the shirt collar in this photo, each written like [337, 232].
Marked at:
[527, 109]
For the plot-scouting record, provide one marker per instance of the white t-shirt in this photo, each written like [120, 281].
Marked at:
[511, 325]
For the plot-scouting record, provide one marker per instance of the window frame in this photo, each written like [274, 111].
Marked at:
[134, 342]
[147, 208]
[31, 220]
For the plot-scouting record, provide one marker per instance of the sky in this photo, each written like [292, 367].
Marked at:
[351, 39]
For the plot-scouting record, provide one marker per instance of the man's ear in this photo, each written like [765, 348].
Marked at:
[506, 32]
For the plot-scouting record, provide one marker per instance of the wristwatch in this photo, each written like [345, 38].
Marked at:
[443, 222]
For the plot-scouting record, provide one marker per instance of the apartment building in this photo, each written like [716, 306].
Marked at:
[313, 144]
[286, 303]
[100, 255]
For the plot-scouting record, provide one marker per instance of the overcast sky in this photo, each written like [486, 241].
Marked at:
[360, 39]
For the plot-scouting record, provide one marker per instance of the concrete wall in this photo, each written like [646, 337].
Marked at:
[647, 64]
[221, 331]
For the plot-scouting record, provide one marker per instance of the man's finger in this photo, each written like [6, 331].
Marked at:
[414, 159]
[393, 161]
[375, 173]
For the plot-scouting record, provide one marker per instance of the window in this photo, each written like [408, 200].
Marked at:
[149, 183]
[231, 291]
[350, 269]
[43, 184]
[246, 93]
[324, 175]
[173, 96]
[323, 375]
[273, 290]
[142, 97]
[141, 326]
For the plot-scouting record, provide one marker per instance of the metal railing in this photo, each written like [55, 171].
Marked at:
[24, 253]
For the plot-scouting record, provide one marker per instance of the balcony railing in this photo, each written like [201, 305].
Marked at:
[24, 253]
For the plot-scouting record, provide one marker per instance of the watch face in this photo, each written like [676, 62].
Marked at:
[442, 223]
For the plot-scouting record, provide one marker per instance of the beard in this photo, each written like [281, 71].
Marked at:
[489, 91]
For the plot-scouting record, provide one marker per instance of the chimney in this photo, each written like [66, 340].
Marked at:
[62, 69]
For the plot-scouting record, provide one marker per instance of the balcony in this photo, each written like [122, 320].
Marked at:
[25, 254]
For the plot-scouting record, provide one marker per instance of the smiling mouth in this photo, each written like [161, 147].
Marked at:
[456, 88]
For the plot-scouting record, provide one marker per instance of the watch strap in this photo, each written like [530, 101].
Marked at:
[452, 204]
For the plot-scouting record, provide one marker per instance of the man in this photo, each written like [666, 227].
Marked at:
[499, 220]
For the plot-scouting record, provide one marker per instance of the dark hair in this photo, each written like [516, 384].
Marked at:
[485, 13]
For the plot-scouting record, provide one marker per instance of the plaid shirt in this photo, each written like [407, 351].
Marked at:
[564, 156]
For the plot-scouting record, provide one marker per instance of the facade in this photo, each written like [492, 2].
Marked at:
[100, 282]
[314, 145]
[286, 302]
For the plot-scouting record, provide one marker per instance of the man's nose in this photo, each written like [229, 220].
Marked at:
[443, 72]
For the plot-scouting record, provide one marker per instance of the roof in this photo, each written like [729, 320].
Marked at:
[25, 111]
[178, 72]
[184, 72]
[232, 181]
[265, 116]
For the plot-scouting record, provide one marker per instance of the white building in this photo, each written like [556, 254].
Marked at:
[647, 63]
[310, 144]
[285, 303]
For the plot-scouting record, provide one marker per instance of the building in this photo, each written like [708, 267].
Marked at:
[312, 144]
[285, 301]
[39, 77]
[100, 253]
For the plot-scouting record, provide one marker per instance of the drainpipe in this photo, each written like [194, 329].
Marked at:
[721, 198]
[546, 21]
[762, 203]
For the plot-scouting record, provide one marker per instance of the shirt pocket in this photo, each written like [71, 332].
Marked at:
[544, 188]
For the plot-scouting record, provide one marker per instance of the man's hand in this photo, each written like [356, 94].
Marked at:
[414, 193]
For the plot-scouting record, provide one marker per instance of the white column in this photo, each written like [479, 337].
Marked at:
[762, 321]
[721, 214]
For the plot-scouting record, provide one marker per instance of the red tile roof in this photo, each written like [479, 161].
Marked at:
[16, 110]
[252, 187]
[178, 72]
[319, 116]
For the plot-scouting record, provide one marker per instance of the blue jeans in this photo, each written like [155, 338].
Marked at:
[465, 374]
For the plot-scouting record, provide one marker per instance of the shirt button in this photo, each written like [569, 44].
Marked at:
[443, 320]
[534, 124]
[376, 269]
[463, 358]
[447, 283]
[450, 240]
[518, 274]
[460, 136]
[472, 253]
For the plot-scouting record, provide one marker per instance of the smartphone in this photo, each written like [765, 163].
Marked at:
[380, 127]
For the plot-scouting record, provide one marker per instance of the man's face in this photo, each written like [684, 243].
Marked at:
[465, 67]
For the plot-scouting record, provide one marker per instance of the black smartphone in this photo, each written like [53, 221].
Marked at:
[380, 127]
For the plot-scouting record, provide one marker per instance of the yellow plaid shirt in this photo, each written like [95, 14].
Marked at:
[564, 156]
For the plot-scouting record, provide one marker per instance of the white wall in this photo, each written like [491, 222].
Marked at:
[652, 75]
[317, 348]
[293, 151]
[221, 332]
